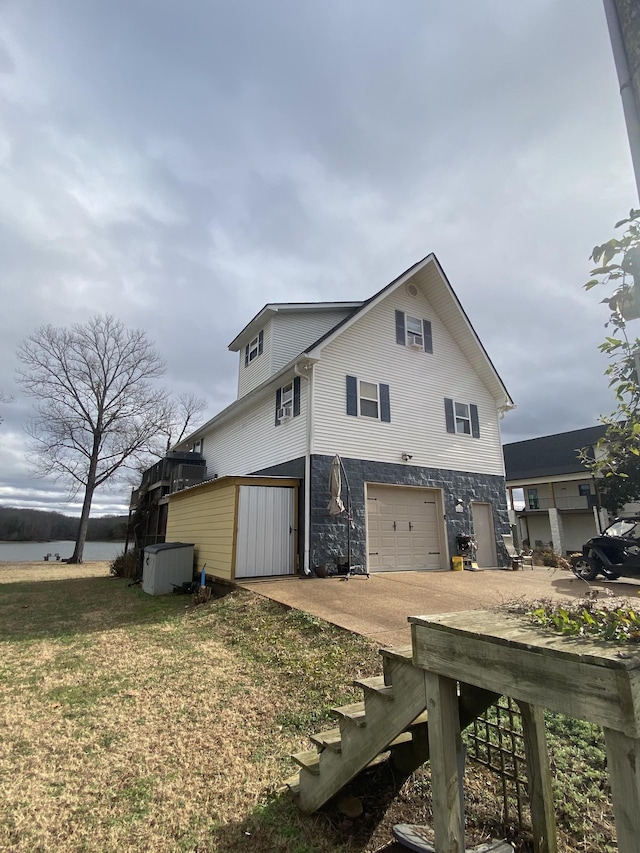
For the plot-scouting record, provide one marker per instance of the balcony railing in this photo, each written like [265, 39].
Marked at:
[184, 476]
[561, 503]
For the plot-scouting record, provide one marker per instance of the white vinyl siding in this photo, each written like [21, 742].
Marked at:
[257, 371]
[251, 441]
[368, 348]
[292, 333]
[285, 336]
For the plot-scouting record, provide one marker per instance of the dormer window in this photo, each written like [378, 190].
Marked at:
[254, 348]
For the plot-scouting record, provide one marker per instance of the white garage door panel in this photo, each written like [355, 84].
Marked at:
[403, 529]
[264, 543]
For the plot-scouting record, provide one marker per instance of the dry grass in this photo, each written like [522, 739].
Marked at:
[136, 723]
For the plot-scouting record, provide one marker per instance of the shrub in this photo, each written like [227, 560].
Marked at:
[125, 565]
[552, 560]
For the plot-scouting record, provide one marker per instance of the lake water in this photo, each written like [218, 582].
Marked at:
[32, 552]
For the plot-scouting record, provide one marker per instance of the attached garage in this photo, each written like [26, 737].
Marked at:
[241, 527]
[405, 529]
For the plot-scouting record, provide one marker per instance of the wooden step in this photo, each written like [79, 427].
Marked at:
[308, 760]
[332, 740]
[375, 685]
[354, 713]
[403, 653]
[292, 783]
[329, 739]
[393, 658]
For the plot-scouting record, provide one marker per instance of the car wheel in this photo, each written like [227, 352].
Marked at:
[585, 568]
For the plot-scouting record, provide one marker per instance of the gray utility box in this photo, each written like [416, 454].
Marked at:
[166, 566]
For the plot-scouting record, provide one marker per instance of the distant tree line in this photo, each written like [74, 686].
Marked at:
[32, 525]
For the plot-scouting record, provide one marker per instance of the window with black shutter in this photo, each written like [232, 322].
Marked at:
[413, 332]
[461, 418]
[368, 399]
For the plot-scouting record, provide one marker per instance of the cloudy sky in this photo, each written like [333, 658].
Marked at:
[181, 164]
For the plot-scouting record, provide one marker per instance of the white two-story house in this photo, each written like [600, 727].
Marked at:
[401, 389]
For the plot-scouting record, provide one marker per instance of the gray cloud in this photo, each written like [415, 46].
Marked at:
[181, 167]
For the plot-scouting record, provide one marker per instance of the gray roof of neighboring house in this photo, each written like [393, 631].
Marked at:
[550, 455]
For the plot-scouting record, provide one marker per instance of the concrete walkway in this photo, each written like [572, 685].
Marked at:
[377, 607]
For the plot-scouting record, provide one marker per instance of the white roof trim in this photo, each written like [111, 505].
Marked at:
[489, 374]
[273, 308]
[249, 399]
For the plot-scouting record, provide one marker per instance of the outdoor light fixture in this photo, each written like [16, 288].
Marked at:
[459, 507]
[406, 457]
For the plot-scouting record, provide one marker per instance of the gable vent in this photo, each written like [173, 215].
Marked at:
[412, 290]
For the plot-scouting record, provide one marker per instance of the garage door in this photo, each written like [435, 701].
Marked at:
[403, 529]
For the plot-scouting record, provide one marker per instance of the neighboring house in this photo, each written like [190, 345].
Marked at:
[401, 388]
[561, 509]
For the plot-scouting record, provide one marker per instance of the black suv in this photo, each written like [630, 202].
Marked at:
[614, 553]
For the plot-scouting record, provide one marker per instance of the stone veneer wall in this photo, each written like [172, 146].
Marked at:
[328, 536]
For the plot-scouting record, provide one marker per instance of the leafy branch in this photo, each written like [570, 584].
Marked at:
[616, 457]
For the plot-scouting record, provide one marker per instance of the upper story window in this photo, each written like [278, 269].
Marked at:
[197, 446]
[368, 399]
[288, 401]
[413, 332]
[254, 348]
[461, 418]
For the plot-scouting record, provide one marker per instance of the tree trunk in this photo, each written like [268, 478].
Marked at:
[84, 524]
[86, 505]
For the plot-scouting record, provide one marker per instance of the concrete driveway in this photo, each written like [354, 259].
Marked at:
[377, 607]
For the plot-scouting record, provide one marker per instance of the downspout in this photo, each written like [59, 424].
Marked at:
[629, 104]
[308, 375]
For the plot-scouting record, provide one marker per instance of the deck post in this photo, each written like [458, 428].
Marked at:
[623, 756]
[445, 749]
[543, 817]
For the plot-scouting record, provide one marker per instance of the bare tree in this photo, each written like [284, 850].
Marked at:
[185, 412]
[97, 406]
[4, 399]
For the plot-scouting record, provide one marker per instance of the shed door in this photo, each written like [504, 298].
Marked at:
[265, 535]
[403, 529]
[484, 534]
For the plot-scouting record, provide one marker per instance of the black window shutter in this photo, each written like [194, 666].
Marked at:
[385, 406]
[448, 415]
[427, 336]
[475, 423]
[352, 396]
[246, 355]
[260, 341]
[400, 335]
[296, 396]
[278, 400]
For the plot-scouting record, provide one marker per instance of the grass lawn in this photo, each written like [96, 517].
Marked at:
[140, 723]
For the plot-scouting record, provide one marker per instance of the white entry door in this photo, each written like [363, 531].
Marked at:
[265, 537]
[404, 529]
[484, 534]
